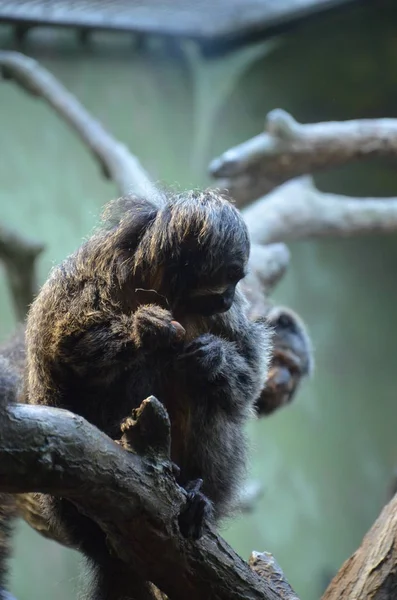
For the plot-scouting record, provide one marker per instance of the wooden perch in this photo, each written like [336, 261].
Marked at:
[371, 573]
[19, 256]
[116, 160]
[133, 497]
[287, 149]
[297, 210]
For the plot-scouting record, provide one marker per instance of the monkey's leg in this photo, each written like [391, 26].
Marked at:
[231, 373]
[109, 340]
[111, 579]
[108, 578]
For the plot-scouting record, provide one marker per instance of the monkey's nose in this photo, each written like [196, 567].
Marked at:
[225, 303]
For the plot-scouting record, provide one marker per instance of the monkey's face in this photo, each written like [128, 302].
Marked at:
[215, 294]
[194, 254]
[209, 286]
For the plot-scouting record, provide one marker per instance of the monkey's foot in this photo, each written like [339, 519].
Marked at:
[197, 509]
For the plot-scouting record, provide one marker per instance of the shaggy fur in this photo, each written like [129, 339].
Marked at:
[100, 338]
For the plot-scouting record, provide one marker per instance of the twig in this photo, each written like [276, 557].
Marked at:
[297, 210]
[371, 572]
[19, 256]
[266, 565]
[287, 149]
[133, 498]
[116, 160]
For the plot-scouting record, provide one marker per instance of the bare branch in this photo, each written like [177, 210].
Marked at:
[287, 149]
[297, 210]
[371, 572]
[114, 157]
[133, 498]
[19, 256]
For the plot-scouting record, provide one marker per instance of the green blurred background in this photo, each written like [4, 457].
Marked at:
[327, 461]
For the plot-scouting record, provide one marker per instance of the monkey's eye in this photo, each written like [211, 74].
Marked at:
[235, 273]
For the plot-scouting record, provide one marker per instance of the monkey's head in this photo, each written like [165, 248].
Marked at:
[192, 251]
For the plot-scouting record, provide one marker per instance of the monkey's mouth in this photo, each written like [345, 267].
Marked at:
[207, 306]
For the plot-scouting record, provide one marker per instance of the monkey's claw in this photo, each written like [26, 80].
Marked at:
[197, 509]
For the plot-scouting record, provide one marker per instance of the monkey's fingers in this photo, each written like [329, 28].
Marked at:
[155, 328]
[203, 357]
[180, 331]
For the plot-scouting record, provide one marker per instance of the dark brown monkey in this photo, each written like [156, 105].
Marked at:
[101, 337]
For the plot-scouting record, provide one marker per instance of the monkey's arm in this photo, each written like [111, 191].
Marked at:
[98, 339]
[233, 372]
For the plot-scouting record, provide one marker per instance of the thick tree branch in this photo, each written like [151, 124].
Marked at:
[297, 210]
[287, 149]
[133, 497]
[116, 160]
[370, 574]
[19, 256]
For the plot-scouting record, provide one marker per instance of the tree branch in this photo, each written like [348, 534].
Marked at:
[19, 256]
[266, 565]
[133, 497]
[297, 210]
[370, 574]
[116, 160]
[287, 149]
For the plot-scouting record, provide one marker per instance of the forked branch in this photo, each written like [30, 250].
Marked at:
[297, 210]
[287, 149]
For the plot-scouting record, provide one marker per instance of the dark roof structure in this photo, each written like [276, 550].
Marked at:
[203, 20]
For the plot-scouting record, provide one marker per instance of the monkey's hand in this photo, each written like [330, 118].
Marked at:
[154, 328]
[232, 373]
[204, 357]
[197, 510]
[105, 340]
